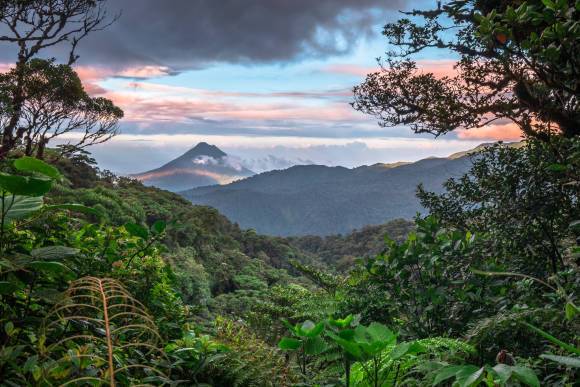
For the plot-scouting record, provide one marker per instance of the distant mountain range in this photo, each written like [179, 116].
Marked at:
[322, 200]
[202, 165]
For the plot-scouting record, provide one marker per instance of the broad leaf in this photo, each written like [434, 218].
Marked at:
[526, 376]
[341, 323]
[314, 346]
[503, 371]
[18, 207]
[158, 227]
[446, 373]
[30, 164]
[473, 378]
[9, 287]
[379, 332]
[289, 343]
[309, 329]
[349, 346]
[55, 268]
[24, 185]
[137, 230]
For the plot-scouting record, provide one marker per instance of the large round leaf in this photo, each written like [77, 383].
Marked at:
[24, 185]
[30, 164]
[289, 343]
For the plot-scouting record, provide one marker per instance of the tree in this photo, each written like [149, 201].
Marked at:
[518, 63]
[523, 198]
[33, 26]
[56, 103]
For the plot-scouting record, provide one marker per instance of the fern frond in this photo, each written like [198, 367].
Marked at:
[490, 326]
[104, 334]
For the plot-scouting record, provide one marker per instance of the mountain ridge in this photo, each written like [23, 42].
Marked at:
[202, 165]
[323, 200]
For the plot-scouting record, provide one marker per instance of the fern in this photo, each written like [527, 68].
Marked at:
[98, 334]
[490, 328]
[250, 361]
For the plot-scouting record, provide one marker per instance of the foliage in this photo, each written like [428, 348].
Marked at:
[520, 197]
[424, 281]
[250, 361]
[55, 104]
[192, 354]
[471, 375]
[517, 64]
[99, 333]
[47, 23]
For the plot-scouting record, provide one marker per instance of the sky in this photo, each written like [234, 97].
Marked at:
[268, 81]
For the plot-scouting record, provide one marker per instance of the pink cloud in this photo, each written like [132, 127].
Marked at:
[439, 68]
[503, 132]
[144, 72]
[351, 69]
[91, 76]
[143, 107]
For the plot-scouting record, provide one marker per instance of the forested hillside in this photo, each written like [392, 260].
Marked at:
[321, 200]
[105, 282]
[341, 251]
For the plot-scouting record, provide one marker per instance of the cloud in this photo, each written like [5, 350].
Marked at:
[187, 33]
[439, 68]
[135, 153]
[270, 162]
[156, 103]
[497, 132]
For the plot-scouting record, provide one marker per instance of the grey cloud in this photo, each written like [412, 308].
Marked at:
[189, 33]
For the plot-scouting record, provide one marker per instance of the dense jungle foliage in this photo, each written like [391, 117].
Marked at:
[106, 282]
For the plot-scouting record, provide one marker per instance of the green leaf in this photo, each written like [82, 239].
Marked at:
[314, 346]
[526, 376]
[341, 323]
[503, 371]
[18, 207]
[557, 168]
[158, 227]
[55, 268]
[571, 311]
[349, 346]
[289, 343]
[446, 373]
[309, 329]
[400, 351]
[568, 361]
[9, 328]
[30, 164]
[554, 340]
[54, 252]
[549, 4]
[24, 185]
[379, 332]
[314, 331]
[137, 230]
[9, 287]
[473, 379]
[74, 208]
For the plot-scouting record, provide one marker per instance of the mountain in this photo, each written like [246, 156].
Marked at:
[321, 200]
[200, 166]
